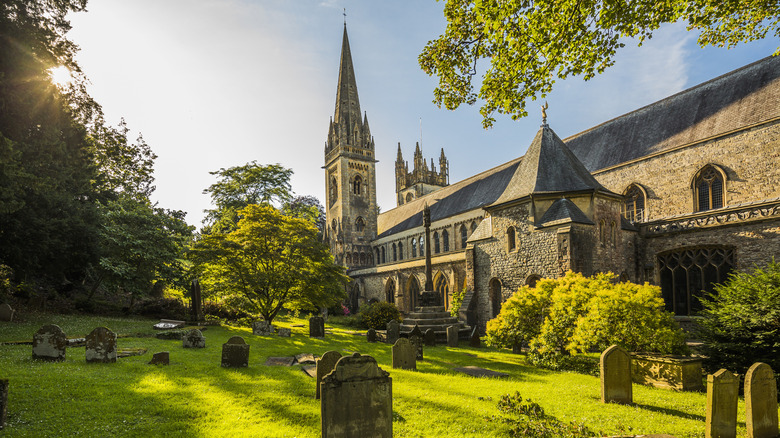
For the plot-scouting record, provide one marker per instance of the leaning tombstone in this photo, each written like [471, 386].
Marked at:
[193, 339]
[316, 327]
[615, 367]
[3, 401]
[161, 358]
[474, 340]
[49, 343]
[452, 336]
[371, 335]
[722, 394]
[284, 332]
[357, 381]
[101, 346]
[6, 312]
[262, 328]
[761, 401]
[393, 332]
[430, 338]
[235, 353]
[325, 365]
[404, 355]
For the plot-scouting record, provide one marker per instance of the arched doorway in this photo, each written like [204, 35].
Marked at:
[495, 295]
[442, 288]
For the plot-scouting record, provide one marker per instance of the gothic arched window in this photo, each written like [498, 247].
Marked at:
[634, 203]
[382, 260]
[463, 236]
[473, 226]
[422, 247]
[602, 232]
[689, 273]
[436, 246]
[709, 188]
[409, 197]
[510, 239]
[356, 184]
[400, 250]
[395, 253]
[333, 191]
[445, 240]
[613, 233]
[378, 259]
[414, 247]
[360, 224]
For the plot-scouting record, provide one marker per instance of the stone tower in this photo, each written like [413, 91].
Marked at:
[422, 179]
[350, 173]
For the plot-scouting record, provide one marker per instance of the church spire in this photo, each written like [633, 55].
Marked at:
[347, 103]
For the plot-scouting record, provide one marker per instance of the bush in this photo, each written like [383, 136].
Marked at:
[741, 321]
[457, 300]
[223, 311]
[377, 315]
[528, 419]
[169, 308]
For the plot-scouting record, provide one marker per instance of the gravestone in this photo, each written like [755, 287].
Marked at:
[101, 346]
[417, 342]
[722, 394]
[516, 349]
[393, 332]
[49, 343]
[430, 338]
[404, 355]
[474, 340]
[615, 367]
[416, 331]
[452, 336]
[371, 335]
[161, 358]
[761, 401]
[235, 353]
[3, 402]
[6, 312]
[357, 381]
[325, 365]
[316, 327]
[193, 339]
[262, 328]
[284, 332]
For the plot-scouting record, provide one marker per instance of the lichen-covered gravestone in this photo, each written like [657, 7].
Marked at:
[101, 346]
[285, 332]
[430, 338]
[357, 381]
[193, 339]
[417, 343]
[474, 340]
[325, 365]
[452, 336]
[6, 313]
[49, 343]
[416, 331]
[235, 353]
[3, 401]
[262, 328]
[371, 335]
[404, 355]
[722, 393]
[393, 332]
[316, 327]
[161, 358]
[761, 401]
[615, 367]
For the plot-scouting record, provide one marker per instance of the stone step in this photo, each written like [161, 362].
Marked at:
[428, 315]
[430, 321]
[438, 328]
[430, 309]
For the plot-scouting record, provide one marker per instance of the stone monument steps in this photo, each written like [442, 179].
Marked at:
[437, 321]
[428, 309]
[426, 315]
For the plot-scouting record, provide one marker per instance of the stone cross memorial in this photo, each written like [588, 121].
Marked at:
[49, 343]
[6, 313]
[404, 355]
[316, 327]
[193, 339]
[722, 394]
[235, 353]
[357, 400]
[452, 336]
[615, 367]
[262, 328]
[393, 332]
[761, 402]
[325, 365]
[101, 346]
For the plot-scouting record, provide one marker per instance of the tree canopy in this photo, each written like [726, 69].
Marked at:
[530, 44]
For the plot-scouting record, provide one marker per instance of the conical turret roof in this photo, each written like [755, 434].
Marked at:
[347, 102]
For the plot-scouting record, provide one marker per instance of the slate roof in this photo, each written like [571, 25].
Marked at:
[563, 211]
[741, 98]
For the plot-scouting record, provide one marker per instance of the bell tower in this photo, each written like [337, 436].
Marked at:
[350, 173]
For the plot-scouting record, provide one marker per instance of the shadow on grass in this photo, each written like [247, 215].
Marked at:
[668, 411]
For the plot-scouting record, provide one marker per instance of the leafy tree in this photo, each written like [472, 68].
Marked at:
[530, 44]
[309, 208]
[741, 320]
[272, 261]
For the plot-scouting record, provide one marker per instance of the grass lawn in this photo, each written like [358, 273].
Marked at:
[195, 397]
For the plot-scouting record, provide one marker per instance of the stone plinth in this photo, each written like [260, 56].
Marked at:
[681, 373]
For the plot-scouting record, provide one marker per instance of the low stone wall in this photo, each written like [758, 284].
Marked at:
[680, 373]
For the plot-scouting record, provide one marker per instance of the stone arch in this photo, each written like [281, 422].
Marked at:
[360, 224]
[413, 288]
[532, 279]
[511, 242]
[395, 253]
[496, 297]
[333, 191]
[390, 290]
[436, 245]
[357, 184]
[442, 287]
[464, 235]
[445, 240]
[409, 197]
[383, 259]
[635, 203]
[708, 186]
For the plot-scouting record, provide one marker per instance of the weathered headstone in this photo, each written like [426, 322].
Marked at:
[430, 338]
[417, 342]
[49, 343]
[393, 332]
[371, 335]
[615, 367]
[357, 381]
[316, 327]
[474, 340]
[235, 353]
[262, 328]
[101, 346]
[284, 332]
[761, 401]
[3, 402]
[516, 349]
[6, 312]
[404, 355]
[452, 336]
[325, 365]
[193, 339]
[305, 358]
[416, 331]
[722, 394]
[161, 358]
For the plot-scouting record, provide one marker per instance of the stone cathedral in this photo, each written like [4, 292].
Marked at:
[678, 193]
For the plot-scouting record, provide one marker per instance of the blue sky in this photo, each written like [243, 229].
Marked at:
[219, 83]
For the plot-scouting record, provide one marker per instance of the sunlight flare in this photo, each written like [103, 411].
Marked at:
[60, 75]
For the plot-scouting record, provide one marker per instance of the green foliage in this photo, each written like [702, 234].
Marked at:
[528, 419]
[169, 308]
[457, 301]
[377, 315]
[741, 320]
[556, 361]
[5, 282]
[576, 313]
[529, 45]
